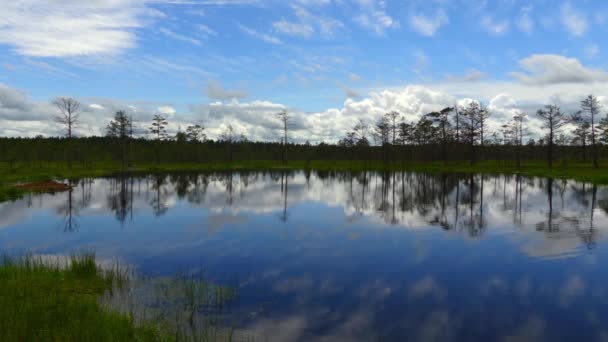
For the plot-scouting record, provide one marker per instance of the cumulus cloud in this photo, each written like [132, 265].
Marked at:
[428, 25]
[555, 69]
[22, 116]
[71, 27]
[216, 91]
[350, 92]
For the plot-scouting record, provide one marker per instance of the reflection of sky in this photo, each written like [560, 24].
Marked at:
[405, 256]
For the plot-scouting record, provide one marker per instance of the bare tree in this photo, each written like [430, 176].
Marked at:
[230, 136]
[592, 107]
[285, 118]
[519, 131]
[392, 119]
[457, 114]
[69, 116]
[554, 119]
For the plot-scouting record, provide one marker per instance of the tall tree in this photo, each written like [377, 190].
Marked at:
[159, 127]
[392, 119]
[603, 130]
[361, 131]
[554, 119]
[591, 106]
[457, 115]
[382, 133]
[482, 120]
[121, 128]
[230, 137]
[519, 132]
[406, 135]
[442, 120]
[196, 133]
[69, 113]
[471, 128]
[285, 118]
[582, 136]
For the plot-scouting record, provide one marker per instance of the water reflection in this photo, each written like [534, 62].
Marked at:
[351, 256]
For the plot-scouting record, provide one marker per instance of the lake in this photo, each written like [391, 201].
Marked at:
[350, 256]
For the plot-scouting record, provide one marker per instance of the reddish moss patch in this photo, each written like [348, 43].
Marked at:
[43, 187]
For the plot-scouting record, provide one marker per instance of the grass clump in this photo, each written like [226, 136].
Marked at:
[57, 300]
[75, 299]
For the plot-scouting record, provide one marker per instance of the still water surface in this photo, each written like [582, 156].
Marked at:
[351, 256]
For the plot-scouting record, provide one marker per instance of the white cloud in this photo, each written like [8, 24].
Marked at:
[592, 51]
[472, 75]
[494, 27]
[555, 69]
[216, 91]
[67, 28]
[180, 37]
[574, 21]
[293, 29]
[374, 17]
[525, 23]
[206, 31]
[426, 25]
[422, 61]
[307, 23]
[166, 110]
[96, 106]
[260, 35]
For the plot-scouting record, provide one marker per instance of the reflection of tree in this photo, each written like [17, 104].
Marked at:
[158, 202]
[284, 189]
[559, 226]
[199, 188]
[120, 197]
[69, 211]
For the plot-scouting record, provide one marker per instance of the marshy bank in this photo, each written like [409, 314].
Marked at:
[78, 299]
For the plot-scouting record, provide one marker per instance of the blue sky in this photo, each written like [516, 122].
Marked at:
[311, 56]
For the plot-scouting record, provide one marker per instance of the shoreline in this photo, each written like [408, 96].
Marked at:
[14, 181]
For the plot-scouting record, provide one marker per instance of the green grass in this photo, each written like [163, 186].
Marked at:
[21, 173]
[53, 299]
[42, 300]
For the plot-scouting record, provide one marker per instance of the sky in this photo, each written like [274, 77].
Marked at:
[329, 63]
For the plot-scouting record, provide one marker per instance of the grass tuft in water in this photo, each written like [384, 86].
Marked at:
[75, 299]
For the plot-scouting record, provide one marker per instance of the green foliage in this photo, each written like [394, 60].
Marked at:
[43, 300]
[63, 299]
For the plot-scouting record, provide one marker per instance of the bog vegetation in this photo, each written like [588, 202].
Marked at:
[55, 299]
[452, 137]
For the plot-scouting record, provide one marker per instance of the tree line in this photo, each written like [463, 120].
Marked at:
[467, 127]
[451, 134]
